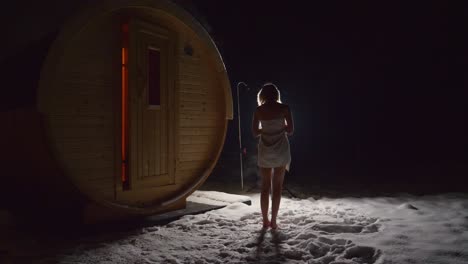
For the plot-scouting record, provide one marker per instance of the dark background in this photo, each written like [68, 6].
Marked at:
[378, 90]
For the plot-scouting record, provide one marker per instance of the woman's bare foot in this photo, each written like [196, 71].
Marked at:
[273, 225]
[266, 224]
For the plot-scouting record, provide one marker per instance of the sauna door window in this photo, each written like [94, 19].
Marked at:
[150, 126]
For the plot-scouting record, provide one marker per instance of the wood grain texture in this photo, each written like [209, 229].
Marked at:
[80, 95]
[80, 110]
[151, 128]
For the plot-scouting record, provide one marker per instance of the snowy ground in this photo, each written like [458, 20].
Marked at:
[428, 229]
[402, 229]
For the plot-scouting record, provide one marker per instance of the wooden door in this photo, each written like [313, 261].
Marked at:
[151, 63]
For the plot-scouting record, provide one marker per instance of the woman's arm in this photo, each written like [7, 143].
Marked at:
[289, 122]
[255, 125]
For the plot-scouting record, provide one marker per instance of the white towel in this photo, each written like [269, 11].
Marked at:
[273, 146]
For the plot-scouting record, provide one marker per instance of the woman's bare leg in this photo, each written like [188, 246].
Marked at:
[278, 177]
[265, 194]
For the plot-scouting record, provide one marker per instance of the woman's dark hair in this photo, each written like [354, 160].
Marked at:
[268, 93]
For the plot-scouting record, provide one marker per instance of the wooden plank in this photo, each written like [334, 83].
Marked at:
[100, 155]
[163, 138]
[195, 113]
[74, 131]
[192, 165]
[158, 126]
[194, 91]
[147, 197]
[195, 156]
[173, 112]
[196, 122]
[82, 178]
[84, 79]
[71, 117]
[200, 115]
[193, 88]
[147, 146]
[195, 148]
[77, 143]
[98, 152]
[82, 69]
[189, 75]
[83, 162]
[92, 144]
[163, 127]
[190, 97]
[188, 173]
[85, 110]
[96, 120]
[85, 144]
[198, 131]
[75, 88]
[188, 68]
[199, 106]
[89, 173]
[197, 140]
[198, 98]
[188, 59]
[187, 176]
[75, 148]
[92, 93]
[192, 79]
[82, 109]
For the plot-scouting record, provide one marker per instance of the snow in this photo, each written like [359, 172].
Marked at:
[382, 230]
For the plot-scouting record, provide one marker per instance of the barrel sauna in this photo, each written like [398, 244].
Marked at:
[133, 102]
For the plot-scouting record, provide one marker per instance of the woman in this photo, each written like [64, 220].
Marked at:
[273, 123]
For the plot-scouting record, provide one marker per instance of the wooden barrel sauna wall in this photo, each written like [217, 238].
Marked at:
[133, 103]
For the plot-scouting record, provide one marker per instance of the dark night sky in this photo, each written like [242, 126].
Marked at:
[376, 89]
